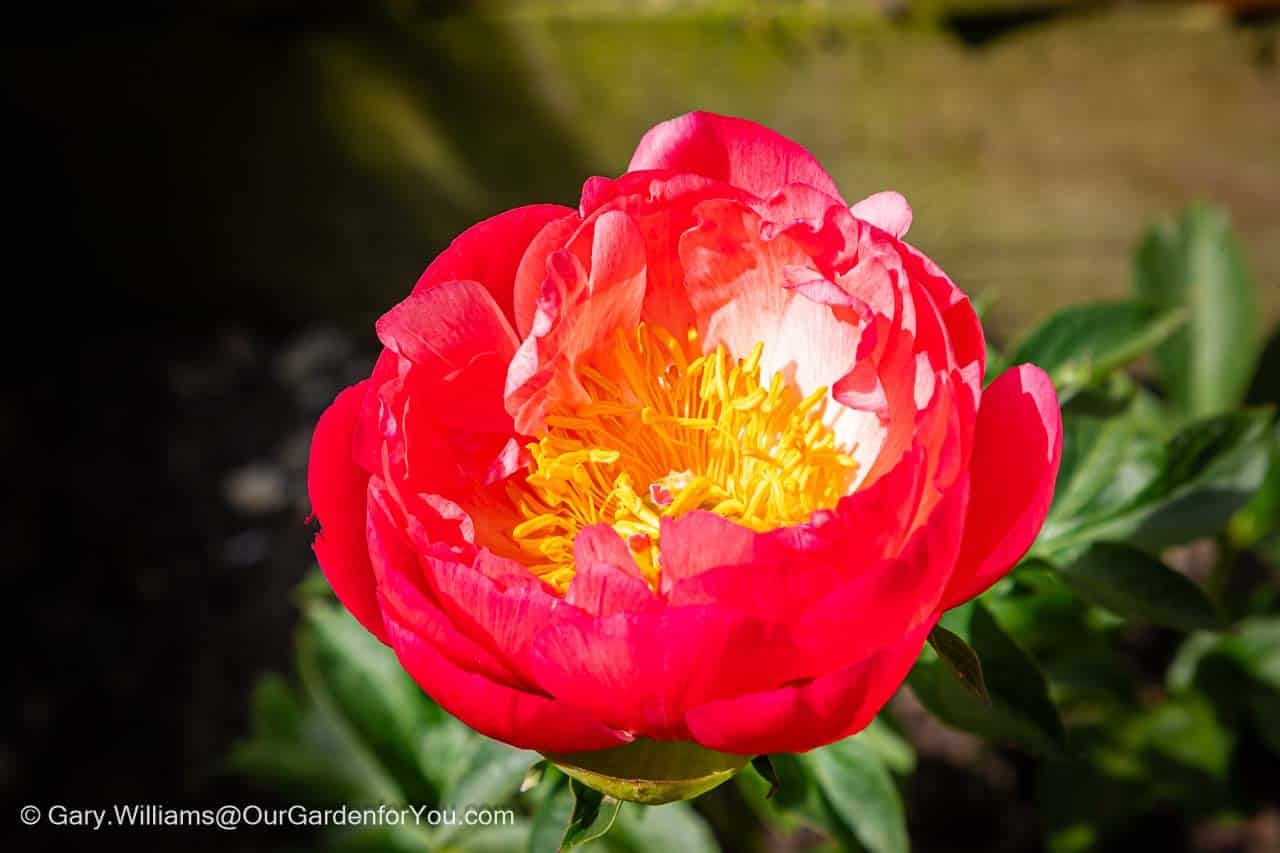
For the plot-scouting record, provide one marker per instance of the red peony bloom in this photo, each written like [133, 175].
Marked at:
[700, 462]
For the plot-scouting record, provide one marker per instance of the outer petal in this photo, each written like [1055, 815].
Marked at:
[403, 600]
[523, 719]
[802, 717]
[739, 152]
[1017, 448]
[886, 210]
[337, 489]
[490, 251]
[641, 671]
[887, 601]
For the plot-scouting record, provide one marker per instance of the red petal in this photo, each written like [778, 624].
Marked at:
[606, 579]
[522, 719]
[806, 716]
[739, 152]
[701, 540]
[404, 601]
[337, 489]
[889, 600]
[642, 671]
[1017, 448]
[446, 327]
[490, 251]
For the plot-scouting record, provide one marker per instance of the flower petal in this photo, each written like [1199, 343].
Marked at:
[490, 251]
[739, 152]
[797, 718]
[888, 600]
[1017, 448]
[520, 718]
[640, 672]
[337, 489]
[886, 210]
[578, 308]
[606, 579]
[402, 599]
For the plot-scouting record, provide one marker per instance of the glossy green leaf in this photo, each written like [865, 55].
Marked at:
[762, 765]
[1261, 516]
[385, 709]
[894, 750]
[1132, 583]
[552, 816]
[1196, 264]
[962, 660]
[860, 791]
[1079, 345]
[593, 815]
[1202, 476]
[1020, 710]
[672, 827]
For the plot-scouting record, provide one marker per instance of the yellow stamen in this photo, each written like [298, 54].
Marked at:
[669, 429]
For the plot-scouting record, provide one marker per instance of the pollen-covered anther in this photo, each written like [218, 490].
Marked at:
[668, 429]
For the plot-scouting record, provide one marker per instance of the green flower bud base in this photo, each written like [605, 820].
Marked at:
[650, 771]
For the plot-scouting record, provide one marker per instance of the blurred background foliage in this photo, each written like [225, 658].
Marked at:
[233, 191]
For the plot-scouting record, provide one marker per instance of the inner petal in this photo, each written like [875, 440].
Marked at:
[669, 429]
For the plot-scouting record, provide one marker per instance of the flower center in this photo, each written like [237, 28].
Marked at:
[667, 430]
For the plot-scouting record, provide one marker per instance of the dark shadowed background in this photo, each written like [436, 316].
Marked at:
[230, 193]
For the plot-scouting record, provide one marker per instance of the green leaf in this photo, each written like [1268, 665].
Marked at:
[861, 793]
[764, 767]
[1196, 264]
[1203, 475]
[1079, 345]
[385, 710]
[794, 784]
[1105, 463]
[961, 660]
[1133, 584]
[674, 827]
[1020, 709]
[552, 816]
[593, 815]
[894, 750]
[1261, 516]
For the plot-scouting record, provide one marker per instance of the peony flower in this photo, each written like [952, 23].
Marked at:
[684, 475]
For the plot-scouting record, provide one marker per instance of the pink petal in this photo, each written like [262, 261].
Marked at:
[404, 601]
[889, 600]
[505, 621]
[578, 308]
[490, 251]
[447, 326]
[886, 210]
[606, 579]
[809, 715]
[738, 152]
[777, 576]
[1017, 448]
[522, 719]
[532, 270]
[337, 489]
[701, 540]
[640, 672]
